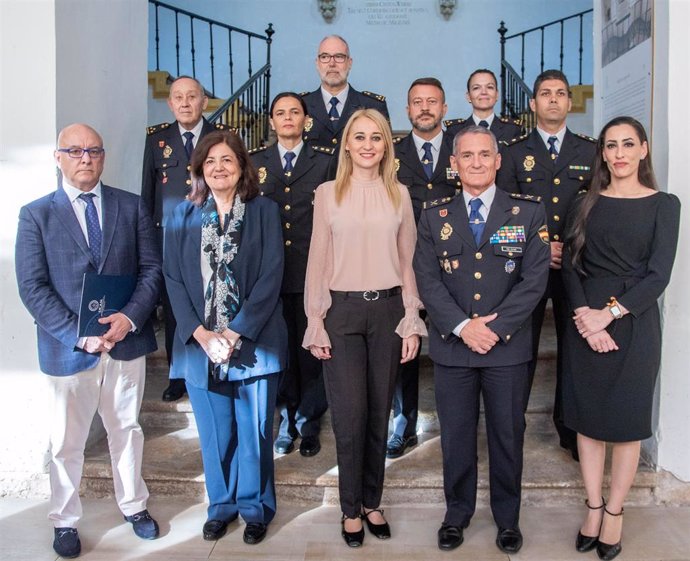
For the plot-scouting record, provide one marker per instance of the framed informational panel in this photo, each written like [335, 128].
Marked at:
[626, 60]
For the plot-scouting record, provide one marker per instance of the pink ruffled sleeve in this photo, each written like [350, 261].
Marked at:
[411, 324]
[317, 295]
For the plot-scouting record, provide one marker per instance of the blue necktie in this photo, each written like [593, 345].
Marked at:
[476, 220]
[552, 147]
[428, 161]
[189, 145]
[93, 227]
[289, 156]
[333, 113]
[484, 124]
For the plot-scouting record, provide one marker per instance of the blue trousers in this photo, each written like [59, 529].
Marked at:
[235, 424]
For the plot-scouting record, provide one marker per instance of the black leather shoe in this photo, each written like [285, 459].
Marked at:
[175, 390]
[449, 537]
[352, 539]
[397, 445]
[66, 543]
[310, 446]
[214, 529]
[254, 532]
[381, 531]
[509, 540]
[283, 445]
[608, 551]
[583, 543]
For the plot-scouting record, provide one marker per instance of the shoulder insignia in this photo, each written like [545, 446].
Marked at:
[398, 139]
[451, 122]
[585, 137]
[516, 140]
[517, 122]
[302, 94]
[582, 191]
[437, 202]
[157, 128]
[224, 127]
[376, 96]
[323, 149]
[257, 150]
[523, 197]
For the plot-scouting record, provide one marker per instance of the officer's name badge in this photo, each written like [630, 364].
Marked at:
[451, 173]
[508, 234]
[528, 163]
[580, 168]
[167, 151]
[262, 174]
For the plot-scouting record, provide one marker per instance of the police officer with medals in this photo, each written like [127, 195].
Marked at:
[481, 265]
[289, 173]
[482, 95]
[166, 180]
[552, 163]
[423, 165]
[331, 105]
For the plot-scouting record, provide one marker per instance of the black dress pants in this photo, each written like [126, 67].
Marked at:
[359, 377]
[457, 402]
[301, 395]
[561, 315]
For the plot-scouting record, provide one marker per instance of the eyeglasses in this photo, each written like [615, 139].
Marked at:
[78, 153]
[326, 57]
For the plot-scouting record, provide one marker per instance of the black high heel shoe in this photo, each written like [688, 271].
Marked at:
[381, 531]
[587, 543]
[607, 551]
[352, 539]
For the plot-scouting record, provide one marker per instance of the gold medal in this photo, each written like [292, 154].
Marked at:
[308, 124]
[529, 163]
[446, 266]
[167, 151]
[262, 175]
[446, 231]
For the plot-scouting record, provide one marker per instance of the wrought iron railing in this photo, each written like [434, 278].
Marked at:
[513, 84]
[247, 109]
[218, 55]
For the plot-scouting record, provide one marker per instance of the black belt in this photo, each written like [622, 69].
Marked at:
[371, 295]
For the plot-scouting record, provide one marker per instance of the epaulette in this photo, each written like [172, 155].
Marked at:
[516, 140]
[523, 197]
[437, 202]
[398, 139]
[302, 94]
[582, 191]
[585, 137]
[451, 122]
[224, 127]
[517, 122]
[257, 150]
[156, 128]
[376, 96]
[324, 149]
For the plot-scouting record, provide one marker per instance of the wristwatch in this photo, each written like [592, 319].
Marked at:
[614, 308]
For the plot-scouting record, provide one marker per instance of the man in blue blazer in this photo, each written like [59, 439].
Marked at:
[87, 227]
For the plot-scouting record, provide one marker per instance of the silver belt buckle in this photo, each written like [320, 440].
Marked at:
[370, 295]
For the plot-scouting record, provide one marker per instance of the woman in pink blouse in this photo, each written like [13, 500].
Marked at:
[362, 308]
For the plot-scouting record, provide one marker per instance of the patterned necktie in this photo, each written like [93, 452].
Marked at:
[552, 147]
[289, 156]
[333, 113]
[428, 161]
[189, 145]
[93, 227]
[484, 124]
[476, 220]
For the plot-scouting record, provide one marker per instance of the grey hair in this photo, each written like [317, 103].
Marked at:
[474, 129]
[334, 36]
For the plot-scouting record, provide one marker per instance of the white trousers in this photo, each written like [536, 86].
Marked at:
[115, 389]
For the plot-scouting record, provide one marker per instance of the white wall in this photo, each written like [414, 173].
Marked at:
[672, 82]
[387, 58]
[62, 61]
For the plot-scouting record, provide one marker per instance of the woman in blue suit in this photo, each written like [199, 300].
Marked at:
[223, 266]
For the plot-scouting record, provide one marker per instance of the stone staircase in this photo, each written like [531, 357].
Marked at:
[172, 460]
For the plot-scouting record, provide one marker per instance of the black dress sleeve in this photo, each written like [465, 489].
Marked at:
[574, 292]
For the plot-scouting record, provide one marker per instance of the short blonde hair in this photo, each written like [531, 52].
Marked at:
[386, 166]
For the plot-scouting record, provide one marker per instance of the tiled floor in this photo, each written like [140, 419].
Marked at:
[313, 534]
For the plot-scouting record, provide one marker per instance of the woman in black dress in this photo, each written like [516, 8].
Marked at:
[617, 261]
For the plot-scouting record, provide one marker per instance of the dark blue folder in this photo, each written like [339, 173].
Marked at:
[102, 295]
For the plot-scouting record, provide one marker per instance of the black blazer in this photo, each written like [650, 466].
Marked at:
[295, 197]
[504, 129]
[458, 280]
